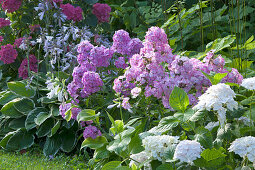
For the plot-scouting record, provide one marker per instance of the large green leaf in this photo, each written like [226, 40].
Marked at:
[9, 110]
[7, 97]
[17, 123]
[52, 145]
[20, 140]
[25, 105]
[183, 117]
[94, 143]
[68, 140]
[21, 89]
[30, 121]
[111, 165]
[45, 128]
[101, 153]
[5, 139]
[87, 114]
[165, 167]
[55, 128]
[179, 99]
[204, 137]
[41, 117]
[166, 124]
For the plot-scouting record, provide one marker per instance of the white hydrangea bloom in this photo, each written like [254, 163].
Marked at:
[218, 98]
[211, 125]
[156, 146]
[249, 83]
[244, 147]
[245, 120]
[188, 151]
[140, 158]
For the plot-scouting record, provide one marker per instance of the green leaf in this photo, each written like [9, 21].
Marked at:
[17, 123]
[20, 89]
[179, 99]
[20, 140]
[25, 105]
[122, 168]
[30, 121]
[248, 101]
[9, 110]
[91, 20]
[118, 127]
[166, 124]
[52, 145]
[91, 2]
[111, 165]
[45, 128]
[7, 97]
[68, 139]
[5, 139]
[101, 153]
[94, 143]
[87, 114]
[198, 116]
[213, 157]
[218, 77]
[55, 128]
[183, 117]
[204, 137]
[165, 167]
[68, 114]
[41, 117]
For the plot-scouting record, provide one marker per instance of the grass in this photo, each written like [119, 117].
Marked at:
[32, 160]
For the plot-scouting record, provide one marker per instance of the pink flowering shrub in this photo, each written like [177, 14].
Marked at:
[18, 42]
[157, 70]
[23, 69]
[11, 5]
[71, 12]
[102, 12]
[8, 54]
[4, 22]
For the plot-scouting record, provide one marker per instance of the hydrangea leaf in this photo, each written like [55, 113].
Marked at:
[204, 137]
[111, 165]
[94, 143]
[179, 99]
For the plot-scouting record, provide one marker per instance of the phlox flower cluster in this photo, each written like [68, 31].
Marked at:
[11, 5]
[72, 13]
[249, 83]
[85, 80]
[218, 98]
[157, 146]
[159, 71]
[1, 39]
[8, 54]
[65, 106]
[4, 22]
[23, 69]
[18, 42]
[140, 158]
[244, 147]
[188, 151]
[91, 132]
[102, 12]
[124, 45]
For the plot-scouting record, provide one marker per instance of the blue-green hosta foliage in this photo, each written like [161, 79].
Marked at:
[26, 116]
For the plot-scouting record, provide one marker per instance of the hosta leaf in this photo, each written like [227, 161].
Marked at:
[68, 139]
[20, 140]
[21, 89]
[17, 123]
[45, 128]
[9, 110]
[41, 117]
[52, 145]
[30, 121]
[7, 97]
[5, 139]
[25, 105]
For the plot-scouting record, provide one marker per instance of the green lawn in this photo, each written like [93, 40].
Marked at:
[32, 160]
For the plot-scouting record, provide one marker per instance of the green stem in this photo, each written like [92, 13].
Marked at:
[201, 25]
[180, 25]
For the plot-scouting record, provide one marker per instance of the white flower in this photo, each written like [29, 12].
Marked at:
[244, 147]
[157, 146]
[135, 92]
[211, 125]
[249, 83]
[218, 98]
[140, 158]
[245, 120]
[188, 151]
